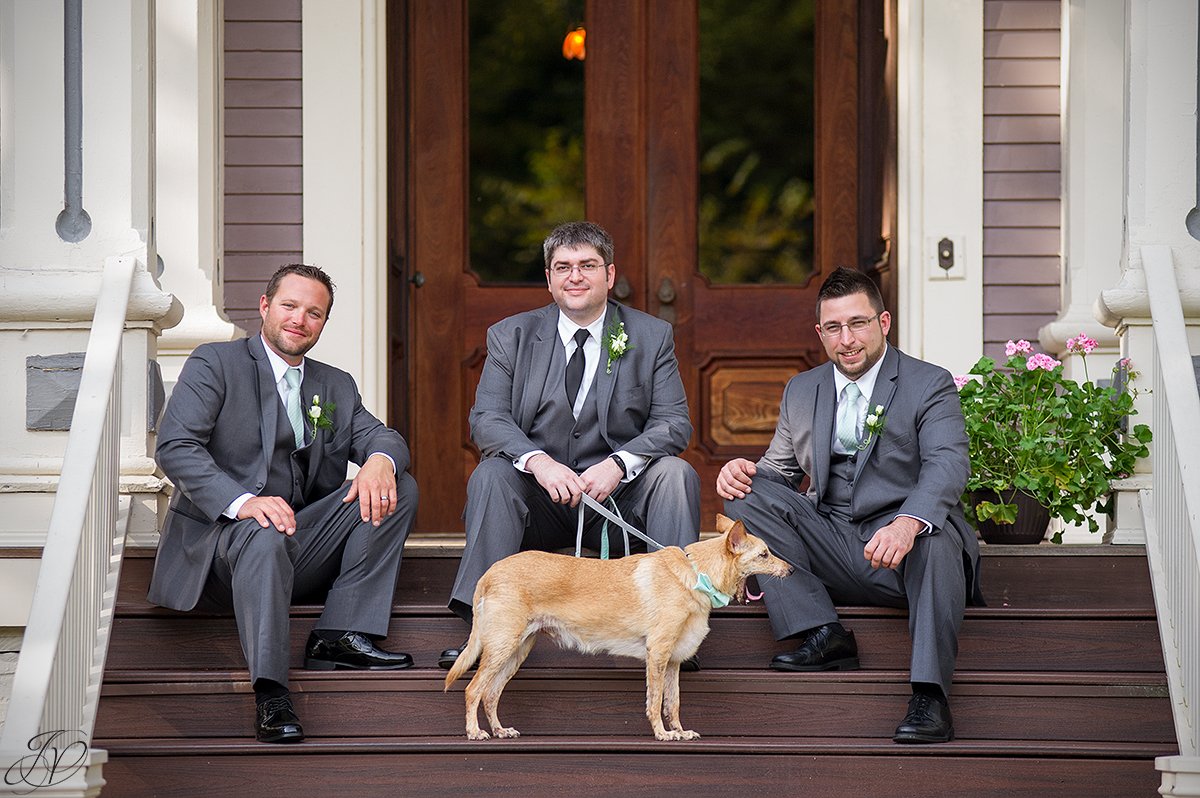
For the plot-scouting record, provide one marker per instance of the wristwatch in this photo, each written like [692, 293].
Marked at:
[617, 459]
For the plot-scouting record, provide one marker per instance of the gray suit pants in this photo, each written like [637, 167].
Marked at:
[258, 573]
[827, 553]
[508, 511]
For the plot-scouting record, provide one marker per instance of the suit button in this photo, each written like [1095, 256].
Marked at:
[577, 434]
[258, 485]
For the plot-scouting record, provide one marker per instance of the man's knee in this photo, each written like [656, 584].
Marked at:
[675, 473]
[492, 472]
[266, 548]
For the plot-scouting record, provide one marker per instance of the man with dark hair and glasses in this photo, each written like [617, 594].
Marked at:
[880, 436]
[580, 396]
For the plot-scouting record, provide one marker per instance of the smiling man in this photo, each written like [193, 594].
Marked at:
[256, 439]
[880, 436]
[580, 396]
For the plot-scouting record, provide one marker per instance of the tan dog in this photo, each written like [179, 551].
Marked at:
[643, 606]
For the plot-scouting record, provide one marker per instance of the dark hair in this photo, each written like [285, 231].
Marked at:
[578, 234]
[845, 282]
[301, 270]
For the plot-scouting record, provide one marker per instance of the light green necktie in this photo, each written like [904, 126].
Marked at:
[294, 413]
[847, 418]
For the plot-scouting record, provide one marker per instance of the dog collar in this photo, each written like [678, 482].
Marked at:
[705, 586]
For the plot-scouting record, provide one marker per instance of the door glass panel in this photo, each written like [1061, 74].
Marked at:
[526, 132]
[756, 140]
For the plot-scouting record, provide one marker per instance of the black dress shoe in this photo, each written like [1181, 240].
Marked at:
[447, 658]
[827, 648]
[353, 651]
[928, 721]
[275, 722]
[691, 664]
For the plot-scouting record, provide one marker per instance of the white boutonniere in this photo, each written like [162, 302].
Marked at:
[321, 415]
[616, 344]
[873, 426]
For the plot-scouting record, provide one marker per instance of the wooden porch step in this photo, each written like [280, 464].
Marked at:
[991, 640]
[601, 703]
[629, 766]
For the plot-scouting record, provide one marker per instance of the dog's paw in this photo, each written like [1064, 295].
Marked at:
[668, 735]
[505, 732]
[477, 734]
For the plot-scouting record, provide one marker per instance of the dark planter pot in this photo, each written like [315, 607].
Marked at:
[1032, 519]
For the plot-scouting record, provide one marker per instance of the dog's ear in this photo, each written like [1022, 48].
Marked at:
[724, 524]
[736, 539]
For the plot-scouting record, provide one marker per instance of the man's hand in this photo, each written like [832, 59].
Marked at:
[563, 484]
[602, 479]
[270, 511]
[375, 488]
[734, 480]
[888, 546]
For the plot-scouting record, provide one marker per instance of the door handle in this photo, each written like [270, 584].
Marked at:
[418, 279]
[666, 298]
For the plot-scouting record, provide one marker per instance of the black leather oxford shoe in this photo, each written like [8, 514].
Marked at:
[275, 721]
[827, 648]
[928, 721]
[691, 664]
[352, 651]
[446, 658]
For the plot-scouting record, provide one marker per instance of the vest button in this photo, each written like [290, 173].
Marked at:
[258, 485]
[577, 433]
[575, 463]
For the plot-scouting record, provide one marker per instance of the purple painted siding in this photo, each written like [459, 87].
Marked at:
[1022, 181]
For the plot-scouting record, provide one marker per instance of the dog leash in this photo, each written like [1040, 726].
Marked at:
[703, 583]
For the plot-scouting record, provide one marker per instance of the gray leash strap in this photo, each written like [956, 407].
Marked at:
[626, 528]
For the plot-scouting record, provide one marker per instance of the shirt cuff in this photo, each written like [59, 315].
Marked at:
[383, 454]
[928, 530]
[235, 506]
[520, 462]
[634, 464]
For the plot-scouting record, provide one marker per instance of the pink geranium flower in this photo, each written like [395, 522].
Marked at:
[1042, 361]
[1082, 343]
[1021, 347]
[961, 380]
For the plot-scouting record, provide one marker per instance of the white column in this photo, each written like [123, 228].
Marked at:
[940, 140]
[345, 180]
[48, 286]
[188, 58]
[1160, 188]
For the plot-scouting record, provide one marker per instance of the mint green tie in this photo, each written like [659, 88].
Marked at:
[847, 418]
[294, 413]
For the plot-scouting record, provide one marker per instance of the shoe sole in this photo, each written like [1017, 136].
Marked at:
[280, 738]
[913, 739]
[848, 664]
[447, 664]
[327, 665]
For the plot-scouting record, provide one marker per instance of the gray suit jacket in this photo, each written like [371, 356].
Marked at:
[642, 406]
[216, 440]
[918, 465]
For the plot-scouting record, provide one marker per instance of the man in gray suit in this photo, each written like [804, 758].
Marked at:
[880, 436]
[256, 439]
[581, 396]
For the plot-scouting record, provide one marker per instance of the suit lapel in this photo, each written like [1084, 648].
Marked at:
[536, 366]
[313, 385]
[606, 382]
[822, 427]
[268, 394]
[885, 388]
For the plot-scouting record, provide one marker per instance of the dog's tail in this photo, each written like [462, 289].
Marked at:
[466, 657]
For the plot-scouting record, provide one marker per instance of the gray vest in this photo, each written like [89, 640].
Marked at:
[574, 443]
[841, 482]
[289, 465]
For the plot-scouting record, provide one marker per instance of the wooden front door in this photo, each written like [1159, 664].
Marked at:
[737, 343]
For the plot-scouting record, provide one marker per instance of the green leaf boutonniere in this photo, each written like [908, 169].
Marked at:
[873, 426]
[616, 343]
[321, 415]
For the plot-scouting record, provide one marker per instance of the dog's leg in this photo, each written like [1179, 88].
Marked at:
[501, 678]
[473, 692]
[671, 704]
[657, 657]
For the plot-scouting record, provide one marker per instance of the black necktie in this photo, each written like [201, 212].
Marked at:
[575, 366]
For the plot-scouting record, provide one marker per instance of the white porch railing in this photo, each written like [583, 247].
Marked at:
[1170, 512]
[46, 744]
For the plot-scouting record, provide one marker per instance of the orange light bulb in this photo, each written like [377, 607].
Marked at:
[573, 44]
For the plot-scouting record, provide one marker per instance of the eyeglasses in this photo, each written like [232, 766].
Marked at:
[586, 269]
[833, 329]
